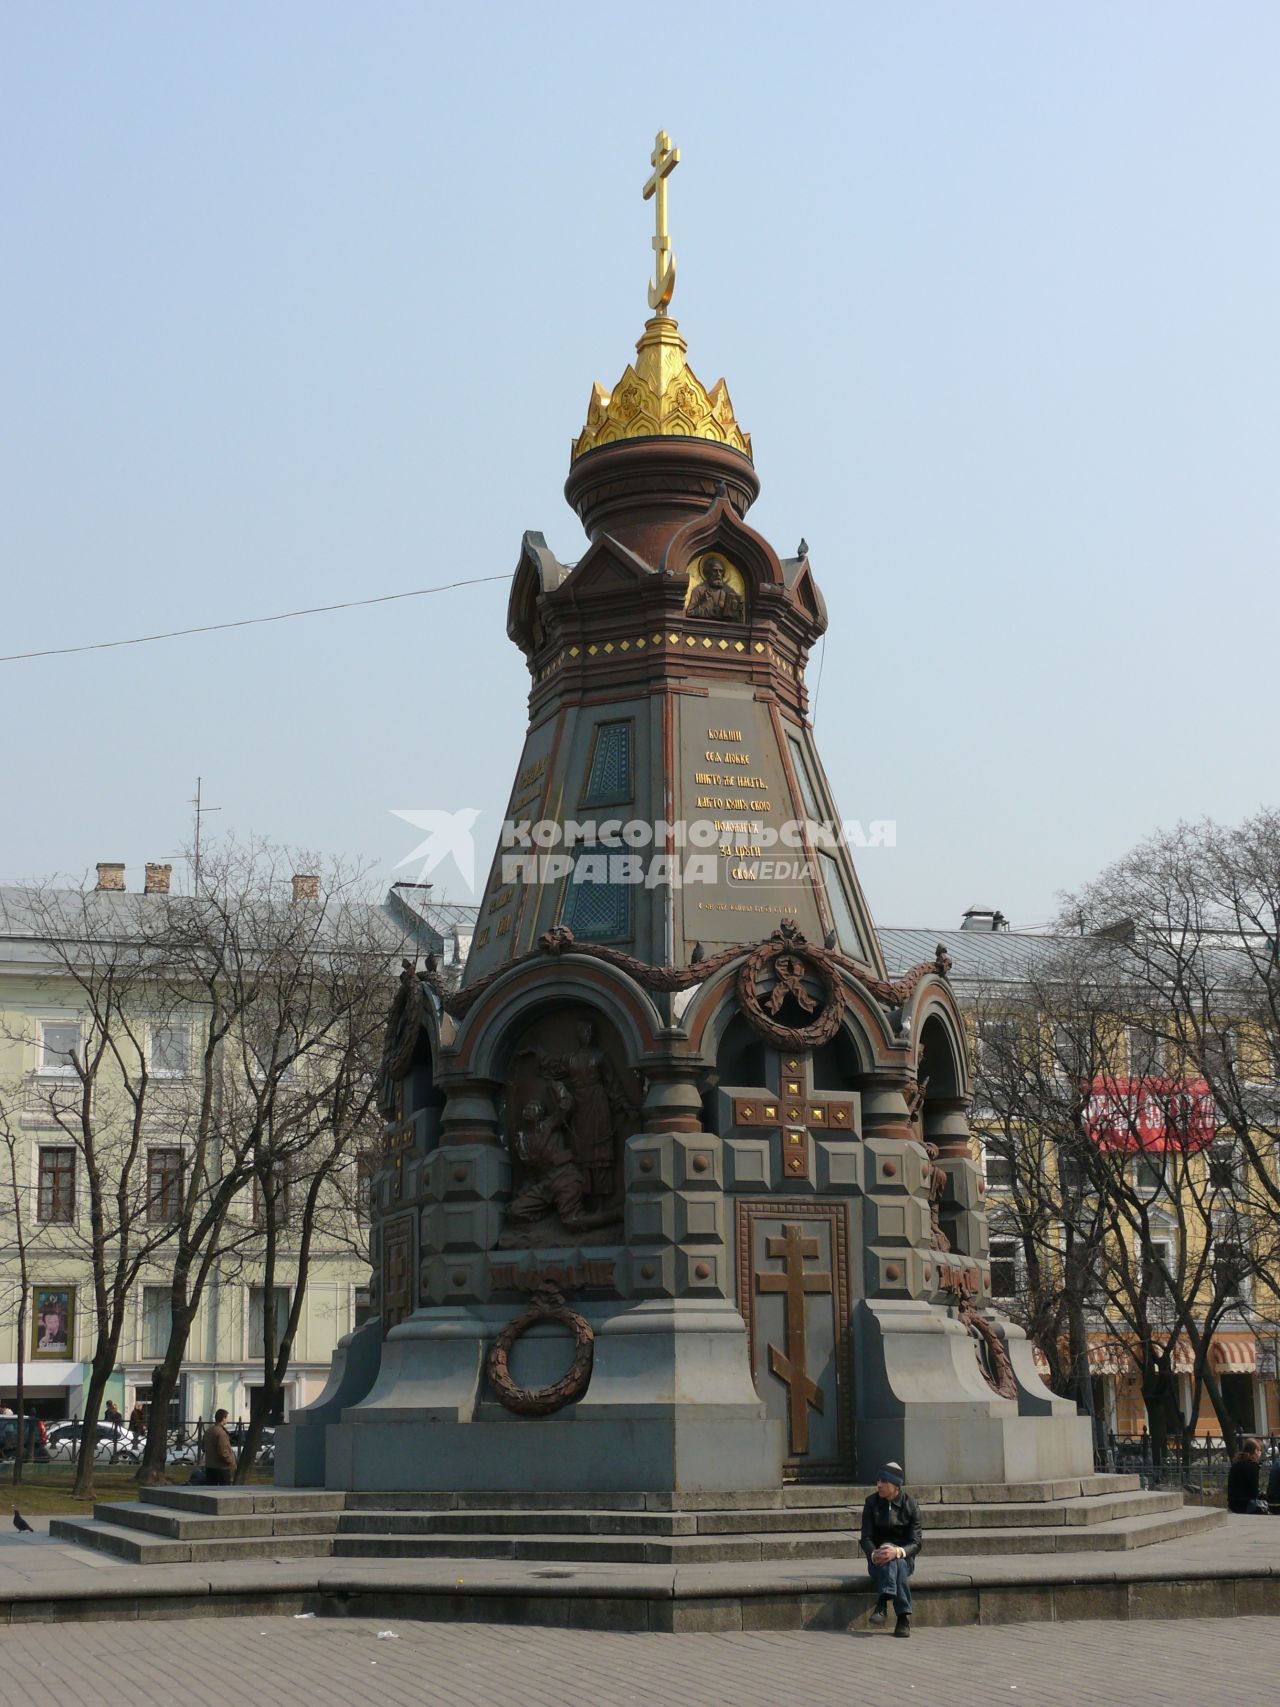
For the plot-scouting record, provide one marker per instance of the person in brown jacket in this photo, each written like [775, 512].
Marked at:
[219, 1458]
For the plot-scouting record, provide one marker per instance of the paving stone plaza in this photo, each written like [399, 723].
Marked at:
[326, 1663]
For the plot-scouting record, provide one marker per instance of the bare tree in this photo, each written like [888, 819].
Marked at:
[320, 1116]
[96, 966]
[14, 1143]
[1099, 1071]
[286, 982]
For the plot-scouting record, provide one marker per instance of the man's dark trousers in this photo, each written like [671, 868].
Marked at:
[892, 1583]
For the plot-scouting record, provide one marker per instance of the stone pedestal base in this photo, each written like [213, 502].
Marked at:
[923, 1403]
[670, 1407]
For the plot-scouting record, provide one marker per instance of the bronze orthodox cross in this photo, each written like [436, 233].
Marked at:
[794, 1282]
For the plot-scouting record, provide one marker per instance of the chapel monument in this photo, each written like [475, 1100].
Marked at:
[676, 1192]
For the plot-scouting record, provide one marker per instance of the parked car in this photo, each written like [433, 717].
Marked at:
[113, 1443]
[34, 1434]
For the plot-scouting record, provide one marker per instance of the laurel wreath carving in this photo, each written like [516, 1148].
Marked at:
[548, 1305]
[789, 957]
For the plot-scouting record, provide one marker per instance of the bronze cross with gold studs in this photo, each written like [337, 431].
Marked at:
[795, 1110]
[665, 159]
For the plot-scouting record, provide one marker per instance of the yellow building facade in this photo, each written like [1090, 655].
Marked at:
[43, 1019]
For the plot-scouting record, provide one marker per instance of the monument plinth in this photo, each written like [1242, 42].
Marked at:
[676, 1192]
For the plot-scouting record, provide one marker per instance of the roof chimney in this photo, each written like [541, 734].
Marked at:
[306, 887]
[157, 879]
[984, 919]
[110, 874]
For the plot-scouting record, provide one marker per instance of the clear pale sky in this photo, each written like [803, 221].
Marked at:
[303, 303]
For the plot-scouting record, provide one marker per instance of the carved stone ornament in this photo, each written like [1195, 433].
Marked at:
[547, 1306]
[560, 940]
[772, 983]
[404, 1027]
[989, 1348]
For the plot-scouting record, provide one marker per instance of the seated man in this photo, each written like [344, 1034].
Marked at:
[891, 1539]
[1244, 1480]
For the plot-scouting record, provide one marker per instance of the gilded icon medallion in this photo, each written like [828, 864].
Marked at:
[717, 589]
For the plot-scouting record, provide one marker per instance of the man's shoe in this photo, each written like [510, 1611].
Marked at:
[903, 1626]
[881, 1613]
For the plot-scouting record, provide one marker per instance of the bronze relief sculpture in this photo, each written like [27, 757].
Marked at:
[567, 1142]
[714, 595]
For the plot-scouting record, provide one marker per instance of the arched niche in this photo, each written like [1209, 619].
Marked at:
[740, 1059]
[940, 1073]
[839, 1065]
[568, 1101]
[936, 1061]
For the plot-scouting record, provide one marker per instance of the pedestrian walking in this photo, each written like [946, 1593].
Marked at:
[219, 1458]
[891, 1538]
[137, 1428]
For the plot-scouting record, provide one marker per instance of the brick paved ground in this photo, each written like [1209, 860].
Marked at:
[223, 1662]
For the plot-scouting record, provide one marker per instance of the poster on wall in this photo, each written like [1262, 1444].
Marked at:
[52, 1320]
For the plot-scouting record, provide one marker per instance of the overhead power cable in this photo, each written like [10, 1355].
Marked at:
[249, 621]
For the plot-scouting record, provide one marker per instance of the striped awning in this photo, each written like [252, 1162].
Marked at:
[1234, 1354]
[1229, 1354]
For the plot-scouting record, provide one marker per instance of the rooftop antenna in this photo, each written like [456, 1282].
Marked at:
[200, 810]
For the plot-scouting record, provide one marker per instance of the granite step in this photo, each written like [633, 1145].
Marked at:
[1114, 1535]
[141, 1547]
[966, 1493]
[813, 1520]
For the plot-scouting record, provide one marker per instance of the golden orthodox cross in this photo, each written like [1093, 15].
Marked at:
[794, 1282]
[665, 159]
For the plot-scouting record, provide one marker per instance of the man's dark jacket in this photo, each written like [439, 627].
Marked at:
[895, 1521]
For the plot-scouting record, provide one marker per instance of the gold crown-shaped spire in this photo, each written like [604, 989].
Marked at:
[659, 395]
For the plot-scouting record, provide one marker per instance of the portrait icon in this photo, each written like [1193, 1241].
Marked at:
[716, 589]
[52, 1311]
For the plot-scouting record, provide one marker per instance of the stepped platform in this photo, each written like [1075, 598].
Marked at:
[170, 1526]
[1085, 1548]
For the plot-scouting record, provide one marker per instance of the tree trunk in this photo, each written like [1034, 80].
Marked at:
[164, 1383]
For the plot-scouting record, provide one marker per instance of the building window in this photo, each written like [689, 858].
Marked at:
[59, 1041]
[609, 773]
[170, 1051]
[279, 1189]
[57, 1194]
[286, 1062]
[1146, 1053]
[1149, 1173]
[1065, 1045]
[595, 908]
[1221, 1053]
[257, 1317]
[997, 1163]
[807, 791]
[1073, 1170]
[157, 1321]
[998, 1040]
[1230, 1269]
[367, 1164]
[1157, 1261]
[1223, 1172]
[1004, 1268]
[362, 1307]
[841, 912]
[164, 1185]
